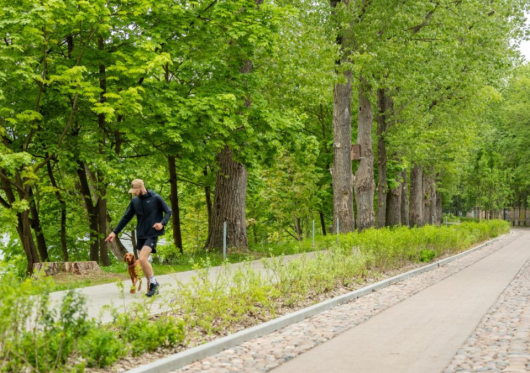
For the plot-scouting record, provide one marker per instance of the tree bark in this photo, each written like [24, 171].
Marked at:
[384, 104]
[342, 170]
[101, 204]
[101, 208]
[364, 178]
[393, 206]
[438, 209]
[27, 241]
[62, 203]
[174, 199]
[229, 204]
[208, 195]
[91, 211]
[426, 184]
[342, 178]
[429, 200]
[322, 222]
[405, 199]
[35, 224]
[416, 197]
[23, 228]
[116, 246]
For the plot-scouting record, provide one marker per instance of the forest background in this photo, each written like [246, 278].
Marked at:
[245, 112]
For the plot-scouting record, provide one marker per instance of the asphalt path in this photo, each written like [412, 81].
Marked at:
[100, 297]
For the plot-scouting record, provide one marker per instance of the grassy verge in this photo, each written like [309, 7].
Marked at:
[189, 261]
[36, 337]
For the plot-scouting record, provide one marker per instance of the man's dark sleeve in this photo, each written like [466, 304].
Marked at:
[166, 209]
[129, 213]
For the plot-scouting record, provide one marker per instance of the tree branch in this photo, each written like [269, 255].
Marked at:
[4, 203]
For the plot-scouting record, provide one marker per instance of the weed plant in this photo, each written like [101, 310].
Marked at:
[37, 337]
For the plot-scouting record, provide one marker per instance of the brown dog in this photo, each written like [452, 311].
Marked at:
[133, 268]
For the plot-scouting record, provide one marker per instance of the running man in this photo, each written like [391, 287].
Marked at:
[148, 208]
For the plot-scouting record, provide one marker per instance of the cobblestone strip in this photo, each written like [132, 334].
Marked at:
[501, 342]
[268, 352]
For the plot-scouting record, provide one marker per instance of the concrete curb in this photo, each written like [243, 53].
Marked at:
[184, 358]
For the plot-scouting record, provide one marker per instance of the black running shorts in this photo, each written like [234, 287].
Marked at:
[149, 241]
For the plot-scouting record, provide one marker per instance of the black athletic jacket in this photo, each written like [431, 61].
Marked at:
[148, 209]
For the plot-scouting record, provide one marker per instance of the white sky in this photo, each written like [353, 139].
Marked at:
[525, 49]
[525, 44]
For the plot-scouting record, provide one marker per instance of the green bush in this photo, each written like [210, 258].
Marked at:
[142, 333]
[427, 255]
[32, 332]
[100, 347]
[34, 336]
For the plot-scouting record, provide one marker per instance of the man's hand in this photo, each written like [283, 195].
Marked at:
[111, 236]
[158, 226]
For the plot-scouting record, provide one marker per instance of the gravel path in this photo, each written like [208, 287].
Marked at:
[266, 353]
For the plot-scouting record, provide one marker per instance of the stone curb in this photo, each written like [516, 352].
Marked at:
[184, 358]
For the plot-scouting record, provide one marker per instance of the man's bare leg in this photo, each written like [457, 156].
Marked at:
[152, 285]
[144, 263]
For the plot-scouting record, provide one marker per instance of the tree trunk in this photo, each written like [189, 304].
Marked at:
[35, 224]
[393, 206]
[62, 203]
[26, 193]
[416, 197]
[298, 227]
[342, 170]
[364, 178]
[384, 103]
[23, 227]
[405, 199]
[101, 204]
[91, 211]
[207, 194]
[322, 222]
[432, 203]
[427, 198]
[438, 209]
[27, 241]
[174, 199]
[116, 246]
[101, 207]
[229, 204]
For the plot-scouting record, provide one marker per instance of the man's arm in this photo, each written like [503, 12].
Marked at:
[129, 214]
[166, 209]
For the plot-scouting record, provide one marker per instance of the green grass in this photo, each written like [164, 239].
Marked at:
[191, 261]
[36, 337]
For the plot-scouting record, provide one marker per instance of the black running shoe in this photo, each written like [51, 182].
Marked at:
[153, 289]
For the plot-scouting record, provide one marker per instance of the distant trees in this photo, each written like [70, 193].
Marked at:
[241, 111]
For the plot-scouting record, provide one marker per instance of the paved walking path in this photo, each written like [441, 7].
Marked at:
[468, 316]
[100, 296]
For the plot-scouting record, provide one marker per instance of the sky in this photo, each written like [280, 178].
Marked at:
[525, 49]
[525, 44]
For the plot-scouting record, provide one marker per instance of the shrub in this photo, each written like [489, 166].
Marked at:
[100, 347]
[35, 336]
[427, 255]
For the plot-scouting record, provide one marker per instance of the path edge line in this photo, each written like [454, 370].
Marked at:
[181, 359]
